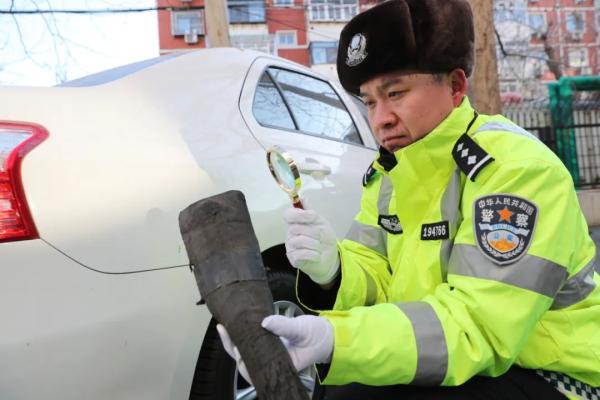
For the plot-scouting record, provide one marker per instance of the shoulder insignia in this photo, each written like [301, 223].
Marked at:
[368, 175]
[390, 223]
[504, 226]
[470, 157]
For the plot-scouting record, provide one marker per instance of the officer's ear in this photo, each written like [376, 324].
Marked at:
[459, 84]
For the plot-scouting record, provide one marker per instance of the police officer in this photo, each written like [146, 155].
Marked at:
[468, 272]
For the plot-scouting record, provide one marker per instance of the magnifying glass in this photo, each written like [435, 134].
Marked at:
[284, 170]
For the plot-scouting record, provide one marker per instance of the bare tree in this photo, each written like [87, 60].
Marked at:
[529, 45]
[553, 60]
[484, 89]
[38, 32]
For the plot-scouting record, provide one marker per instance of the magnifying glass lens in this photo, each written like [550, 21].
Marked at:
[285, 176]
[285, 172]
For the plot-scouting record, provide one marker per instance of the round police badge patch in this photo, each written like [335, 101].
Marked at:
[504, 226]
[357, 50]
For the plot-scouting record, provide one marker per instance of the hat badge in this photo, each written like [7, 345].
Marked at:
[357, 50]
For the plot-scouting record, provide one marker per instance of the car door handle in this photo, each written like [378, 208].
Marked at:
[310, 166]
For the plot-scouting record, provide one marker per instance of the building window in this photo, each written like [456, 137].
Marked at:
[575, 22]
[509, 11]
[286, 39]
[537, 23]
[535, 64]
[333, 10]
[258, 42]
[189, 22]
[246, 11]
[578, 58]
[508, 87]
[323, 52]
[503, 4]
[281, 3]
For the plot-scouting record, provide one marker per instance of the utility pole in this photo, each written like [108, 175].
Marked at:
[484, 81]
[217, 26]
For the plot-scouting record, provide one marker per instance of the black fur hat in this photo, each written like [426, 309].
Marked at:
[432, 36]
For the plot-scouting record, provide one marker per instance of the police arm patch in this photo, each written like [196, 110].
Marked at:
[390, 223]
[503, 226]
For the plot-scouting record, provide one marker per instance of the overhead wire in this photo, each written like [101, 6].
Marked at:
[243, 8]
[164, 8]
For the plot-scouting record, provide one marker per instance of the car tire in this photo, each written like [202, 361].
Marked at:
[216, 377]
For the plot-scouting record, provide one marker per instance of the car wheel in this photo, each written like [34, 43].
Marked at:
[216, 376]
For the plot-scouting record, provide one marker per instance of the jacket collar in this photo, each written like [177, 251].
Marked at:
[435, 149]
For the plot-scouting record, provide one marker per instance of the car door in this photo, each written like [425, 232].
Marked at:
[319, 125]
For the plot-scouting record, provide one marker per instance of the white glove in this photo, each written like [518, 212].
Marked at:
[233, 352]
[311, 245]
[308, 340]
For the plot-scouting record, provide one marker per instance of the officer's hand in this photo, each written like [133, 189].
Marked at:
[308, 339]
[311, 245]
[233, 352]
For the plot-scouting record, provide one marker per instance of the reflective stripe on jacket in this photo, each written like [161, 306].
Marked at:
[438, 310]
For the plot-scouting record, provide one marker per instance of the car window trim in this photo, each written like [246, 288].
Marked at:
[298, 132]
[280, 91]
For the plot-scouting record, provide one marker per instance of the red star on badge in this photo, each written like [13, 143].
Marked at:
[505, 214]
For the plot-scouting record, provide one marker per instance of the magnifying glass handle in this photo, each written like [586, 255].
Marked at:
[298, 204]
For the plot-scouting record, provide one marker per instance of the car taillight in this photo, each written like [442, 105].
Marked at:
[16, 140]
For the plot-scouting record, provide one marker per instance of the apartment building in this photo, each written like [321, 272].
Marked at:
[541, 40]
[305, 31]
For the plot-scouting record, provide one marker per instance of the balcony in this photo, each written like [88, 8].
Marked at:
[333, 10]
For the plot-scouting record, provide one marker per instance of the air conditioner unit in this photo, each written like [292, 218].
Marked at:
[191, 37]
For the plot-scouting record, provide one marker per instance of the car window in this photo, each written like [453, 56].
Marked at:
[315, 107]
[268, 107]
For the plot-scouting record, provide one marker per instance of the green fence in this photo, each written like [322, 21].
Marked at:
[562, 94]
[568, 124]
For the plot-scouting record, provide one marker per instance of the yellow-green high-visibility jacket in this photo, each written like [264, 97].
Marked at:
[470, 254]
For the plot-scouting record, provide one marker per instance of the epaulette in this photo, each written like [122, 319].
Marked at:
[368, 175]
[470, 157]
